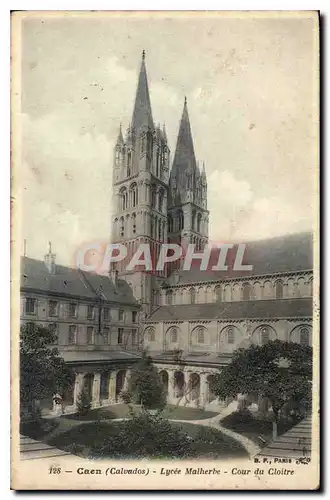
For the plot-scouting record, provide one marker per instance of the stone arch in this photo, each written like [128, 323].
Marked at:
[104, 385]
[211, 396]
[246, 291]
[208, 294]
[291, 288]
[88, 384]
[257, 293]
[200, 295]
[192, 295]
[169, 297]
[236, 292]
[120, 382]
[268, 290]
[263, 334]
[164, 380]
[279, 289]
[194, 385]
[227, 293]
[301, 287]
[199, 220]
[218, 293]
[299, 334]
[179, 384]
[310, 287]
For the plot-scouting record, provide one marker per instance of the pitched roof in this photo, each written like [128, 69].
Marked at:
[98, 356]
[142, 115]
[263, 309]
[73, 282]
[288, 253]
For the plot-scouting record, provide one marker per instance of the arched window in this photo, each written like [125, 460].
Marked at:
[174, 335]
[134, 195]
[151, 334]
[117, 156]
[231, 335]
[153, 196]
[193, 220]
[304, 336]
[160, 201]
[199, 220]
[200, 336]
[192, 293]
[279, 289]
[217, 291]
[180, 220]
[169, 224]
[265, 335]
[124, 198]
[169, 297]
[160, 230]
[156, 297]
[246, 291]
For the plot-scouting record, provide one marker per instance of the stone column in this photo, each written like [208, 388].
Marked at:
[204, 389]
[126, 381]
[112, 387]
[171, 393]
[77, 387]
[96, 390]
[186, 387]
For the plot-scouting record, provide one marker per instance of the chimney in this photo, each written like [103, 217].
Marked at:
[113, 275]
[50, 259]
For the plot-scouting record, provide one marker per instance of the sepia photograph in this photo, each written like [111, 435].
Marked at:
[165, 250]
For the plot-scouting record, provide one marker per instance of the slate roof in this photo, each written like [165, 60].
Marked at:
[98, 356]
[288, 253]
[73, 282]
[267, 309]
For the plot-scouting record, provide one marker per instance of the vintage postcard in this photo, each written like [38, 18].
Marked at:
[165, 243]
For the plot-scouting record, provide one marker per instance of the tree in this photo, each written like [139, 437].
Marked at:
[42, 371]
[145, 386]
[279, 371]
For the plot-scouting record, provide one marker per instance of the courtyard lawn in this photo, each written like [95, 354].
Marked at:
[122, 411]
[87, 439]
[254, 426]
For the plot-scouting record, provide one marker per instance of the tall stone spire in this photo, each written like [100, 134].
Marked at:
[120, 139]
[184, 170]
[142, 115]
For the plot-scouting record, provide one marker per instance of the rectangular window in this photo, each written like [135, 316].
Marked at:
[72, 310]
[120, 335]
[54, 331]
[90, 312]
[72, 334]
[134, 316]
[106, 313]
[106, 332]
[53, 308]
[134, 337]
[90, 335]
[30, 306]
[121, 315]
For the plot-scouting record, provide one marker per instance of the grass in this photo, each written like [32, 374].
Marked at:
[85, 439]
[122, 411]
[253, 426]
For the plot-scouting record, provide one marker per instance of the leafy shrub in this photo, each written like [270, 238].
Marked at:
[84, 403]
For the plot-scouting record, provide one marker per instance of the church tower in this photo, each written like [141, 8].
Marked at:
[188, 216]
[140, 188]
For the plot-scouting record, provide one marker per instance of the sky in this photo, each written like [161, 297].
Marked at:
[251, 87]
